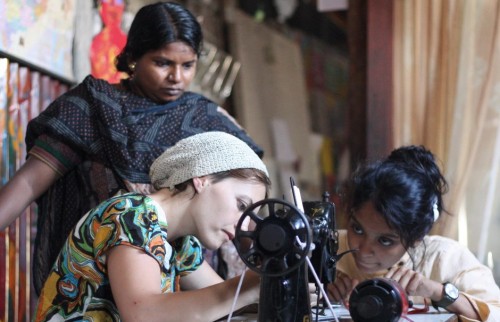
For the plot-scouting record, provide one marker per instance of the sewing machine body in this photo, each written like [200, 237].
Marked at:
[285, 298]
[282, 237]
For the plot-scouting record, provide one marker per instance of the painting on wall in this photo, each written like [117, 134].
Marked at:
[271, 103]
[38, 32]
[109, 42]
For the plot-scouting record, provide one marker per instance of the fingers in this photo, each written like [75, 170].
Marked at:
[411, 281]
[341, 288]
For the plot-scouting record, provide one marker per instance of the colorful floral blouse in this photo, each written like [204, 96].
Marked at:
[78, 285]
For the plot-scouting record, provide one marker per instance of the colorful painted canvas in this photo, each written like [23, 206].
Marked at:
[39, 32]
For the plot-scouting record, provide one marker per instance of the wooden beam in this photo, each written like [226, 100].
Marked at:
[369, 35]
[357, 87]
[379, 78]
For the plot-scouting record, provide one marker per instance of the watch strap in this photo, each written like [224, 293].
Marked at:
[445, 301]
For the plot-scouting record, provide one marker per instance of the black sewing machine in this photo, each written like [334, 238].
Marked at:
[276, 244]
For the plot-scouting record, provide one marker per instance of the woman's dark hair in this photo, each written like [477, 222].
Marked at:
[405, 188]
[156, 25]
[242, 174]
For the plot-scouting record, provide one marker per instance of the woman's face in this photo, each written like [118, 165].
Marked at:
[164, 74]
[379, 247]
[219, 206]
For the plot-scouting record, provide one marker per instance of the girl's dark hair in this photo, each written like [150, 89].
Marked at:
[156, 25]
[404, 188]
[243, 174]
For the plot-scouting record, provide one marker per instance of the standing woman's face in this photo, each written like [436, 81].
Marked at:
[164, 74]
[379, 247]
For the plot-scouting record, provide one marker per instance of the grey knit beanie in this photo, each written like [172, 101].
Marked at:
[200, 155]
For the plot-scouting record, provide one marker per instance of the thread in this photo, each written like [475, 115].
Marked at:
[236, 296]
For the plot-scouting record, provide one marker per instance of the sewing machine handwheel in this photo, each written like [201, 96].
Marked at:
[280, 242]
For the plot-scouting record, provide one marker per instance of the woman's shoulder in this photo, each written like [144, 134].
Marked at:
[197, 96]
[97, 85]
[197, 100]
[447, 250]
[439, 242]
[93, 81]
[84, 92]
[122, 200]
[438, 239]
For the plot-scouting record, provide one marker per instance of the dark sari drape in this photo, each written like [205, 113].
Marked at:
[113, 135]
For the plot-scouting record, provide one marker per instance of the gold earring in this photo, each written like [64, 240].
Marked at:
[131, 66]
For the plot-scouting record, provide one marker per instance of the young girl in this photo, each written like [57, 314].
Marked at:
[392, 205]
[129, 258]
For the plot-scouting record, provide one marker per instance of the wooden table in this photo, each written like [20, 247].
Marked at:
[343, 316]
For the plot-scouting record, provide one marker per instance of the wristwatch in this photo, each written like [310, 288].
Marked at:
[450, 295]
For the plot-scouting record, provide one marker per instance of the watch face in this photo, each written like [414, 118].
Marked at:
[451, 290]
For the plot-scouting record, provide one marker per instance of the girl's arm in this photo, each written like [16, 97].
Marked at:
[135, 283]
[415, 283]
[204, 276]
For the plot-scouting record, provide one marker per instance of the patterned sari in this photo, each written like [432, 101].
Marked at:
[102, 139]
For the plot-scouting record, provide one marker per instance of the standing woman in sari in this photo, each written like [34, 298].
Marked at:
[99, 137]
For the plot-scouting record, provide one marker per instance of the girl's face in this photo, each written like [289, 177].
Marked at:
[379, 247]
[219, 206]
[164, 74]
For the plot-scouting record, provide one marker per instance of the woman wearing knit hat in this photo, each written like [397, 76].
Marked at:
[127, 258]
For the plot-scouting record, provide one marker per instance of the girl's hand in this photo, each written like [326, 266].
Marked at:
[341, 289]
[415, 284]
